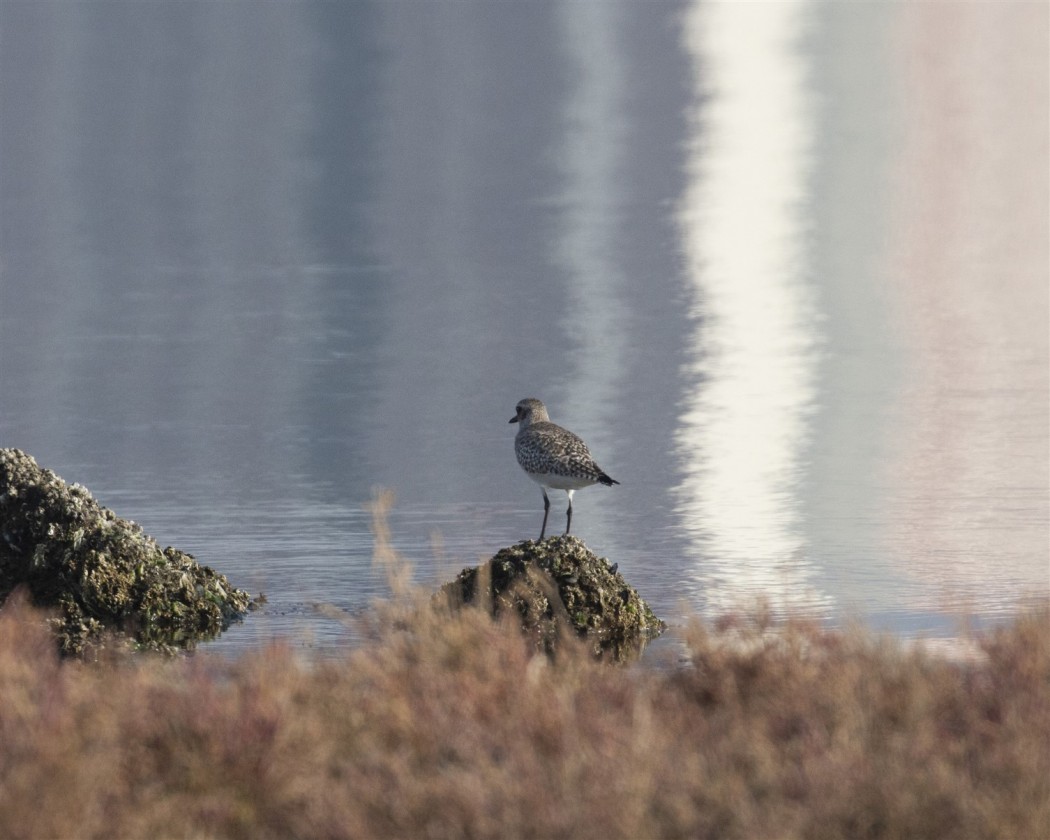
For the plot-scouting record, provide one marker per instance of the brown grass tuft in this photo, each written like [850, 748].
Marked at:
[447, 726]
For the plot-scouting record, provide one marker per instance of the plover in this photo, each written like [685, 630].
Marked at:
[553, 457]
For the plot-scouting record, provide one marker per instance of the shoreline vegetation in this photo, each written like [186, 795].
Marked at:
[446, 722]
[455, 726]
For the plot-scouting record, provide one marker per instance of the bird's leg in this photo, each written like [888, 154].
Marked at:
[568, 515]
[546, 510]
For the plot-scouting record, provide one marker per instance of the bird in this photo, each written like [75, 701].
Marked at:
[553, 457]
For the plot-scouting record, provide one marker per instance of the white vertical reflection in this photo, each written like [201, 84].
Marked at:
[744, 425]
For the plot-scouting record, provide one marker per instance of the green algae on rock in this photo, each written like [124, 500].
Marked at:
[101, 572]
[557, 585]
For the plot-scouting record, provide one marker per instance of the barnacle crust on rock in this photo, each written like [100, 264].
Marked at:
[101, 572]
[559, 585]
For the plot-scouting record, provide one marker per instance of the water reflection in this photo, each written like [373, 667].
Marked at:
[257, 258]
[591, 206]
[967, 272]
[744, 426]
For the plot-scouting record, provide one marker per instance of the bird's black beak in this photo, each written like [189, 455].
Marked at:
[513, 419]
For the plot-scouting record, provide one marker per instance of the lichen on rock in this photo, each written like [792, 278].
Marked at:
[559, 585]
[99, 571]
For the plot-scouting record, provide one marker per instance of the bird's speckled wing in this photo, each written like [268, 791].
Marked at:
[548, 448]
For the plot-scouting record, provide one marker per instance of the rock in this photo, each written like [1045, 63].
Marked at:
[99, 571]
[556, 585]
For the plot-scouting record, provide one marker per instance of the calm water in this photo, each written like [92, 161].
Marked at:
[783, 265]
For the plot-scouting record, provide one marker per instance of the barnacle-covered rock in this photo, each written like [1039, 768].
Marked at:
[99, 571]
[560, 585]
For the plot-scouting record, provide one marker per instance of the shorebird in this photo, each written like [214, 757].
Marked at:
[553, 457]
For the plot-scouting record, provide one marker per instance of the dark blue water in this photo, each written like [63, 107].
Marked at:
[778, 263]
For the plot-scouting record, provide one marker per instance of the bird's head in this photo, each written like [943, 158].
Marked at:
[528, 411]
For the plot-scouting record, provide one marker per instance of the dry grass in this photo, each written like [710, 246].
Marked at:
[448, 727]
[442, 726]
